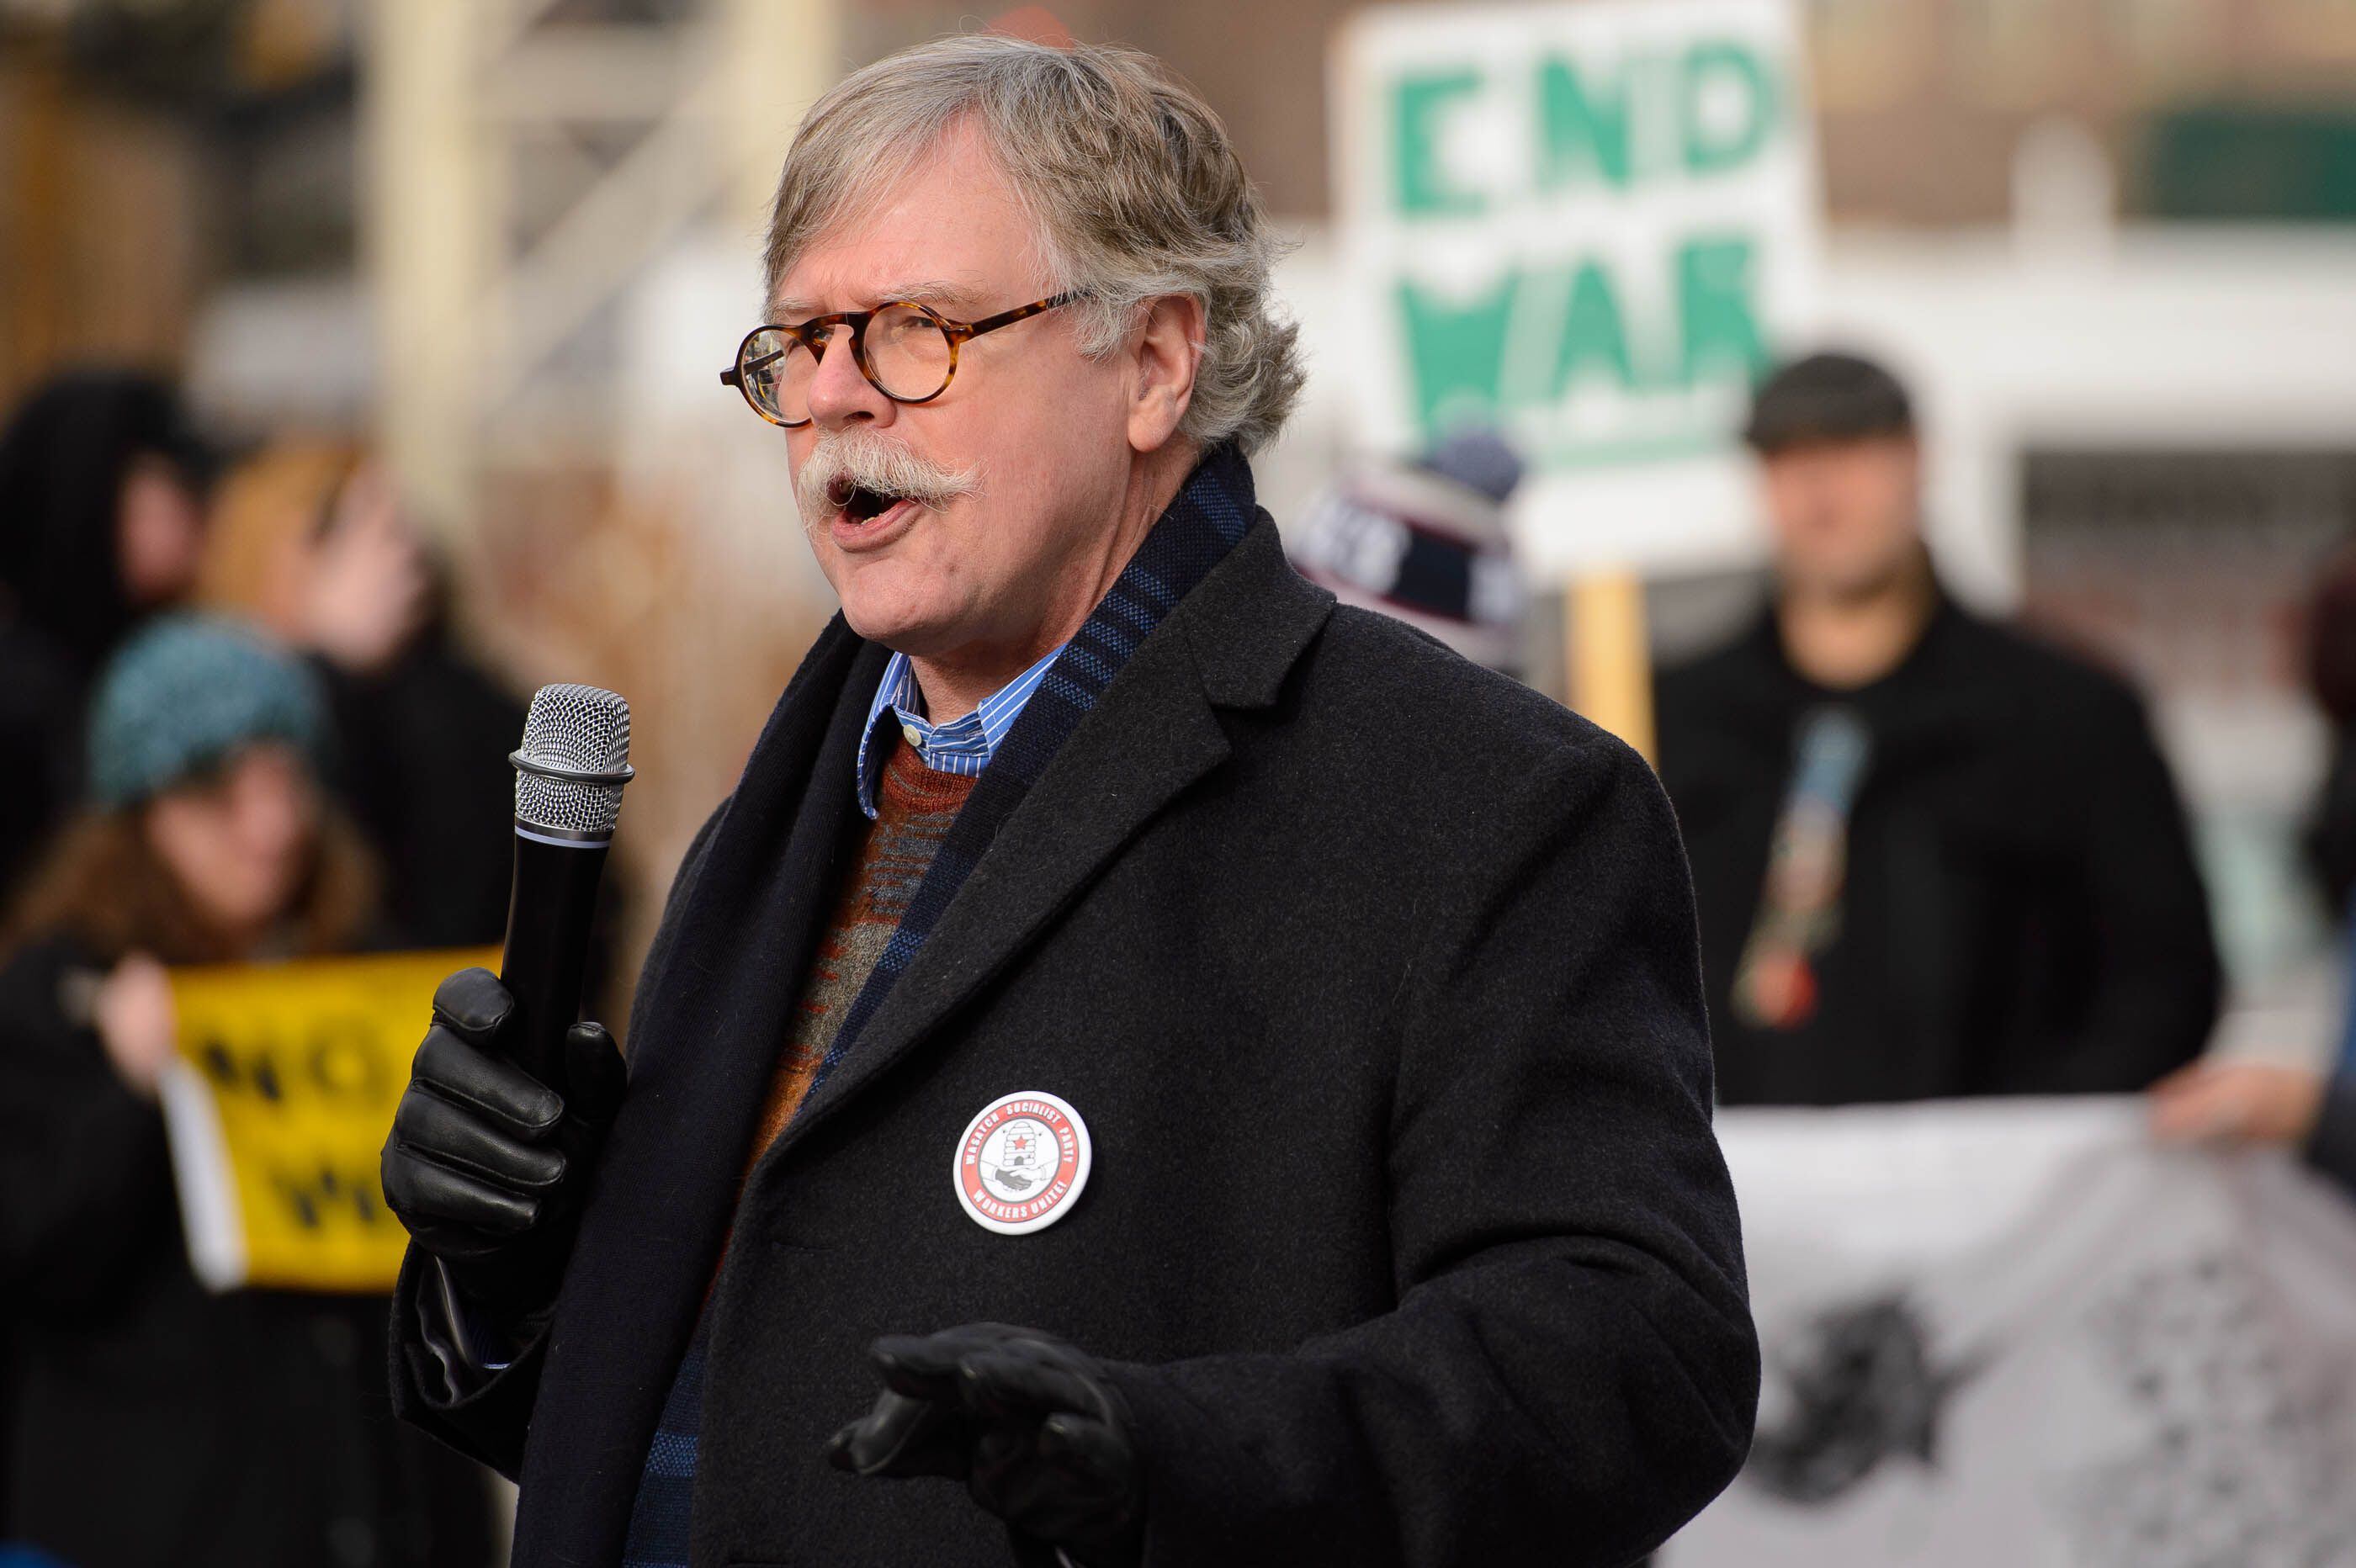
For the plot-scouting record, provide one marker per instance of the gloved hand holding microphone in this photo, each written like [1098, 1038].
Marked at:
[487, 1164]
[510, 1098]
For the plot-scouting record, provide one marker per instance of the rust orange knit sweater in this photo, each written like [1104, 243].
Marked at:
[915, 806]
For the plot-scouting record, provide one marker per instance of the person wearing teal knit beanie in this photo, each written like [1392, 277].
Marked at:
[203, 836]
[205, 741]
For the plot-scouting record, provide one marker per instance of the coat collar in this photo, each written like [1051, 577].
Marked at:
[1250, 621]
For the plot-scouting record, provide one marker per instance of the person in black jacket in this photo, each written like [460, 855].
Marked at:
[151, 1421]
[1147, 1066]
[1934, 856]
[101, 479]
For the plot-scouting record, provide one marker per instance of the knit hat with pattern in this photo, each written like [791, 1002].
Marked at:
[186, 692]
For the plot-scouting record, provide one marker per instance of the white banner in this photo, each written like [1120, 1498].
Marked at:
[1590, 225]
[2017, 1333]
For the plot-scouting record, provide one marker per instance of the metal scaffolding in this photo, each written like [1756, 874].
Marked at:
[480, 295]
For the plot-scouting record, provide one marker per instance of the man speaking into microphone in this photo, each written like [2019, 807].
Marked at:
[1148, 1066]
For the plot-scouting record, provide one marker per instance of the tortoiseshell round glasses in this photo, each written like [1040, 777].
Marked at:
[907, 351]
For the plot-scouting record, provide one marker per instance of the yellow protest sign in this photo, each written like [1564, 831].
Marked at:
[278, 1109]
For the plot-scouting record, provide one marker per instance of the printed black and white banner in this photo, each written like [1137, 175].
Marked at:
[2017, 1333]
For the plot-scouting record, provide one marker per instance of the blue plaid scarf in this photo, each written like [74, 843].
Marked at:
[1208, 518]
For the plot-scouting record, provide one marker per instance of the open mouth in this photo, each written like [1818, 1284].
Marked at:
[857, 503]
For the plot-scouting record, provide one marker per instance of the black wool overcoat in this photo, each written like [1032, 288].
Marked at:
[1372, 974]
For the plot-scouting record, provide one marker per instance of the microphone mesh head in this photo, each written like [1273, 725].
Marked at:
[585, 729]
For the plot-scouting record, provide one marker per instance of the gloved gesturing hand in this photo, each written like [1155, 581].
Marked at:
[1034, 1428]
[486, 1165]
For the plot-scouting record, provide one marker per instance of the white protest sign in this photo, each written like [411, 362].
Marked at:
[1590, 225]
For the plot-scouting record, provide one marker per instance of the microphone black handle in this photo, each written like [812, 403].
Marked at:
[549, 907]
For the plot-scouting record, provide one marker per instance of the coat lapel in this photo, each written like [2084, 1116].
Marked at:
[1155, 732]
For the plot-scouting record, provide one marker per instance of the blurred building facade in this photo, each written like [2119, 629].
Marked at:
[2107, 240]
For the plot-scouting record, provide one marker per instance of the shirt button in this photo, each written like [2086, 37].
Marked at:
[910, 732]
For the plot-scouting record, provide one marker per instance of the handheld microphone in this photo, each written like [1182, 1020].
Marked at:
[569, 771]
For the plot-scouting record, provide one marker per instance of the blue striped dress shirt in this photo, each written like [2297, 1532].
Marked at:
[963, 746]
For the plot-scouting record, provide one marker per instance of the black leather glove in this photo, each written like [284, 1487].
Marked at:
[1033, 1427]
[486, 1165]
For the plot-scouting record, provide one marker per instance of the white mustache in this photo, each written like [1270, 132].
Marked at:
[860, 458]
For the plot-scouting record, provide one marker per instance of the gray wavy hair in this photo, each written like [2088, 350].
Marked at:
[1131, 187]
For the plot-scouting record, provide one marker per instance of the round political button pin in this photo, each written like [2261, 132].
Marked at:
[1021, 1163]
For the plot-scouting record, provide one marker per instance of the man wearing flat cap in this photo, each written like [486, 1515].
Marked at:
[1147, 1066]
[1935, 856]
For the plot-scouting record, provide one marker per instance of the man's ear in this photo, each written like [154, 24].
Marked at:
[1168, 351]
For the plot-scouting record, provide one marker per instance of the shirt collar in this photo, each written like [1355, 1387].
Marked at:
[963, 746]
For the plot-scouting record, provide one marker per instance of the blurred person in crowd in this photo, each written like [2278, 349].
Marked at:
[1247, 1060]
[1934, 857]
[1426, 542]
[151, 1421]
[309, 539]
[101, 479]
[2331, 649]
[101, 519]
[2308, 1107]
